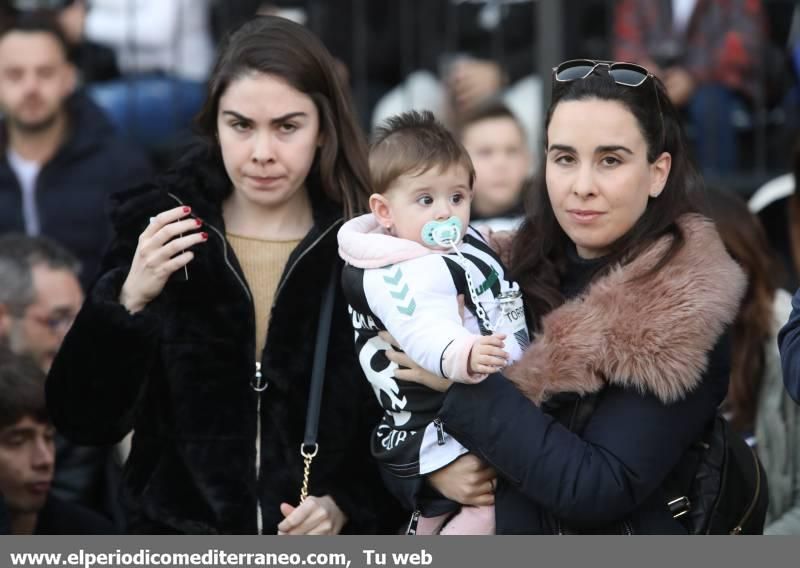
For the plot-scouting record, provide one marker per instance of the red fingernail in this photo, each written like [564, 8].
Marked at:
[187, 209]
[205, 236]
[198, 221]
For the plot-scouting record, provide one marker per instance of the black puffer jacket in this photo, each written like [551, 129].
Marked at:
[181, 373]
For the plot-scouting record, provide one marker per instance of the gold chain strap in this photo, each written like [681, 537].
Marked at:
[307, 458]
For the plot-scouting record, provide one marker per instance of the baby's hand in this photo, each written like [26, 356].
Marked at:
[487, 355]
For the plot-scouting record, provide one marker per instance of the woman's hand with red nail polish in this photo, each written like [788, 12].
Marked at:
[163, 248]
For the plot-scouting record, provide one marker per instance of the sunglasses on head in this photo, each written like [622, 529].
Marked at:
[626, 74]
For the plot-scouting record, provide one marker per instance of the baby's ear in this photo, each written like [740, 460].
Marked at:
[379, 206]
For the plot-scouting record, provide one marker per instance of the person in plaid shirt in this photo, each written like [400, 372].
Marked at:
[706, 52]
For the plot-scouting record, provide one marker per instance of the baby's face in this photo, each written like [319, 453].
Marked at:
[434, 195]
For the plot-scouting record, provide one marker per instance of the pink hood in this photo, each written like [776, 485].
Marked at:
[363, 243]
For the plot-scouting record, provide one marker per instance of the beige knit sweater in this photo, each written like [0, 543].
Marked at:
[263, 263]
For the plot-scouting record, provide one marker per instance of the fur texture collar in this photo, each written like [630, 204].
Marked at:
[653, 334]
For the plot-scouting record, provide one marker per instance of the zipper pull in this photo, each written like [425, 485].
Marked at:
[412, 524]
[437, 423]
[256, 383]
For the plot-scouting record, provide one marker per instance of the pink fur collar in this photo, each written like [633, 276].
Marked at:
[652, 334]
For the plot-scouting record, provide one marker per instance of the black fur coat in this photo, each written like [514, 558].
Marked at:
[180, 373]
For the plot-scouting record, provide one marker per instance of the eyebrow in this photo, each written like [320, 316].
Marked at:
[62, 310]
[15, 431]
[26, 430]
[276, 120]
[428, 188]
[613, 148]
[598, 150]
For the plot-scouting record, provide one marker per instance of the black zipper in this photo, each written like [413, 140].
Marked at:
[256, 381]
[749, 511]
[288, 272]
[412, 523]
[258, 386]
[627, 527]
[437, 423]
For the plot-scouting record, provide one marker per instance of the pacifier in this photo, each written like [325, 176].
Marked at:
[442, 233]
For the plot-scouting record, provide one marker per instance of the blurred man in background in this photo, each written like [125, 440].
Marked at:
[27, 458]
[39, 296]
[60, 156]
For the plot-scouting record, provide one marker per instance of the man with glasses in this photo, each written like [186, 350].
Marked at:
[40, 295]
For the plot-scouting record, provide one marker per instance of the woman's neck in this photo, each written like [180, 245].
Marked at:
[289, 221]
[579, 272]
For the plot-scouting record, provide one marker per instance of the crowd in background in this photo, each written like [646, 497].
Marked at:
[107, 97]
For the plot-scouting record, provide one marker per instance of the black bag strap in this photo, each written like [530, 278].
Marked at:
[309, 447]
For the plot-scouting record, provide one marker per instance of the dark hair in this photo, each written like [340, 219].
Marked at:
[746, 241]
[21, 389]
[487, 111]
[36, 22]
[538, 250]
[279, 47]
[18, 255]
[413, 142]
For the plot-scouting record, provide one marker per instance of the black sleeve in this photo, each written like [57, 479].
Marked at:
[630, 443]
[99, 372]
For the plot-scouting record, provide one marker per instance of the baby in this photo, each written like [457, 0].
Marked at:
[407, 263]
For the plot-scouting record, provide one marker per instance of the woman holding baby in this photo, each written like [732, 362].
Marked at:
[629, 291]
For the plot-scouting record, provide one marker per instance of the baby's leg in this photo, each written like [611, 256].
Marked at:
[469, 521]
[431, 525]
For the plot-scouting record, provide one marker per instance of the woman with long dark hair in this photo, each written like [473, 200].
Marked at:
[630, 292]
[200, 334]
